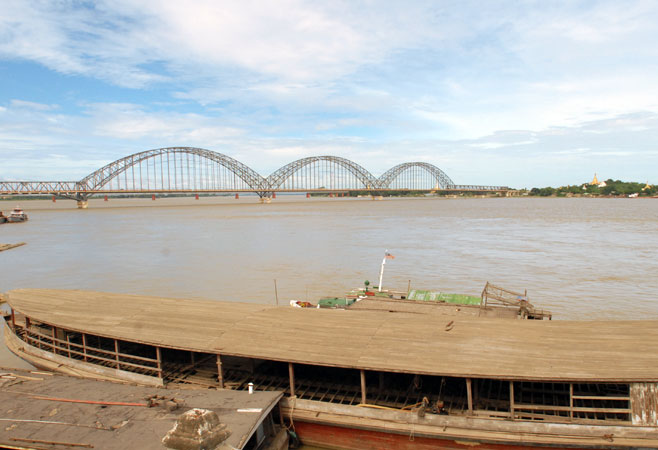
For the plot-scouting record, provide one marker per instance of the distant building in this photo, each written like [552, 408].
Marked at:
[596, 182]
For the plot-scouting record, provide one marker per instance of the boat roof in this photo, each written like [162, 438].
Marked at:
[432, 344]
[240, 411]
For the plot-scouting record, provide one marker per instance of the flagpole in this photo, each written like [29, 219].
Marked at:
[381, 273]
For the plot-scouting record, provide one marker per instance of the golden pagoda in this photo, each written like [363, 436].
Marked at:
[595, 181]
[648, 186]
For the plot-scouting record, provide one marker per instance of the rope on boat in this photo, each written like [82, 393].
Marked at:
[292, 409]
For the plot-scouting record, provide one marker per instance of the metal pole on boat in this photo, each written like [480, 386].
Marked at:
[276, 293]
[381, 274]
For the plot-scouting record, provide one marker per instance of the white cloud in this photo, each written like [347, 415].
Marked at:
[32, 105]
[386, 82]
[129, 122]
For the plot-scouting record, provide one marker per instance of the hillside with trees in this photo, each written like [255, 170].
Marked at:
[609, 188]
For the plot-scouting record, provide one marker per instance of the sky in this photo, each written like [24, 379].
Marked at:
[515, 93]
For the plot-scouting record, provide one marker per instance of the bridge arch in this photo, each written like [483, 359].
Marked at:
[315, 168]
[174, 166]
[438, 178]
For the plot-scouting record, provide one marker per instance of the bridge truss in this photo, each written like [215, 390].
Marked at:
[321, 173]
[415, 176]
[196, 170]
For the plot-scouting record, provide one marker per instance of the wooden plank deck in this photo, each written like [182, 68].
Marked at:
[433, 344]
[29, 409]
[424, 307]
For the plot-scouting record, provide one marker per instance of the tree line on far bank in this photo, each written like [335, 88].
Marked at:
[611, 188]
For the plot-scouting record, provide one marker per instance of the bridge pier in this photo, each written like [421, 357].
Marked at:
[83, 204]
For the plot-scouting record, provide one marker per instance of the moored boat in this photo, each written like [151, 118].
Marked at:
[364, 378]
[17, 215]
[494, 301]
[3, 218]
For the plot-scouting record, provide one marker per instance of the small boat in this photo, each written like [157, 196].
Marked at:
[494, 301]
[17, 215]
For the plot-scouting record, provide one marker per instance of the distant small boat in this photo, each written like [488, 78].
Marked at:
[17, 215]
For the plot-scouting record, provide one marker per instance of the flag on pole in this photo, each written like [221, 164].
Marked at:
[389, 256]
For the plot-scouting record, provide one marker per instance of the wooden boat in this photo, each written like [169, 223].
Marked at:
[494, 301]
[362, 378]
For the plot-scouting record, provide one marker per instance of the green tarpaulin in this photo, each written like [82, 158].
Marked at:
[418, 294]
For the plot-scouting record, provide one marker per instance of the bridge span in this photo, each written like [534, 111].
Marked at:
[196, 170]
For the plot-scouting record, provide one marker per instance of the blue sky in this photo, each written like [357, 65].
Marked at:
[493, 92]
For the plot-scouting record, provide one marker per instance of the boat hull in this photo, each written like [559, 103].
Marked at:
[339, 426]
[339, 438]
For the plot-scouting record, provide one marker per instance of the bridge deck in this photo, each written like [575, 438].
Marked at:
[620, 351]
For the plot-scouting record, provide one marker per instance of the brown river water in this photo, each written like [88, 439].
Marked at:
[579, 258]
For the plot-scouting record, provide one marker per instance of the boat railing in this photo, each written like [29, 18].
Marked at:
[498, 296]
[567, 402]
[544, 412]
[501, 296]
[87, 353]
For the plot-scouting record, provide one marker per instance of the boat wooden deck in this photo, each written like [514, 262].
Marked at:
[425, 307]
[432, 344]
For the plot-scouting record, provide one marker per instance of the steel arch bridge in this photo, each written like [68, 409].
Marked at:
[320, 173]
[196, 170]
[415, 175]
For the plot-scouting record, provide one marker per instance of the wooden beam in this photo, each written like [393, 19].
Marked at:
[13, 320]
[363, 387]
[571, 401]
[116, 352]
[84, 347]
[511, 399]
[54, 328]
[158, 357]
[519, 406]
[469, 395]
[220, 372]
[291, 375]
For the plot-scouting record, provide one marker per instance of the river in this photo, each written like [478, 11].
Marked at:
[580, 258]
